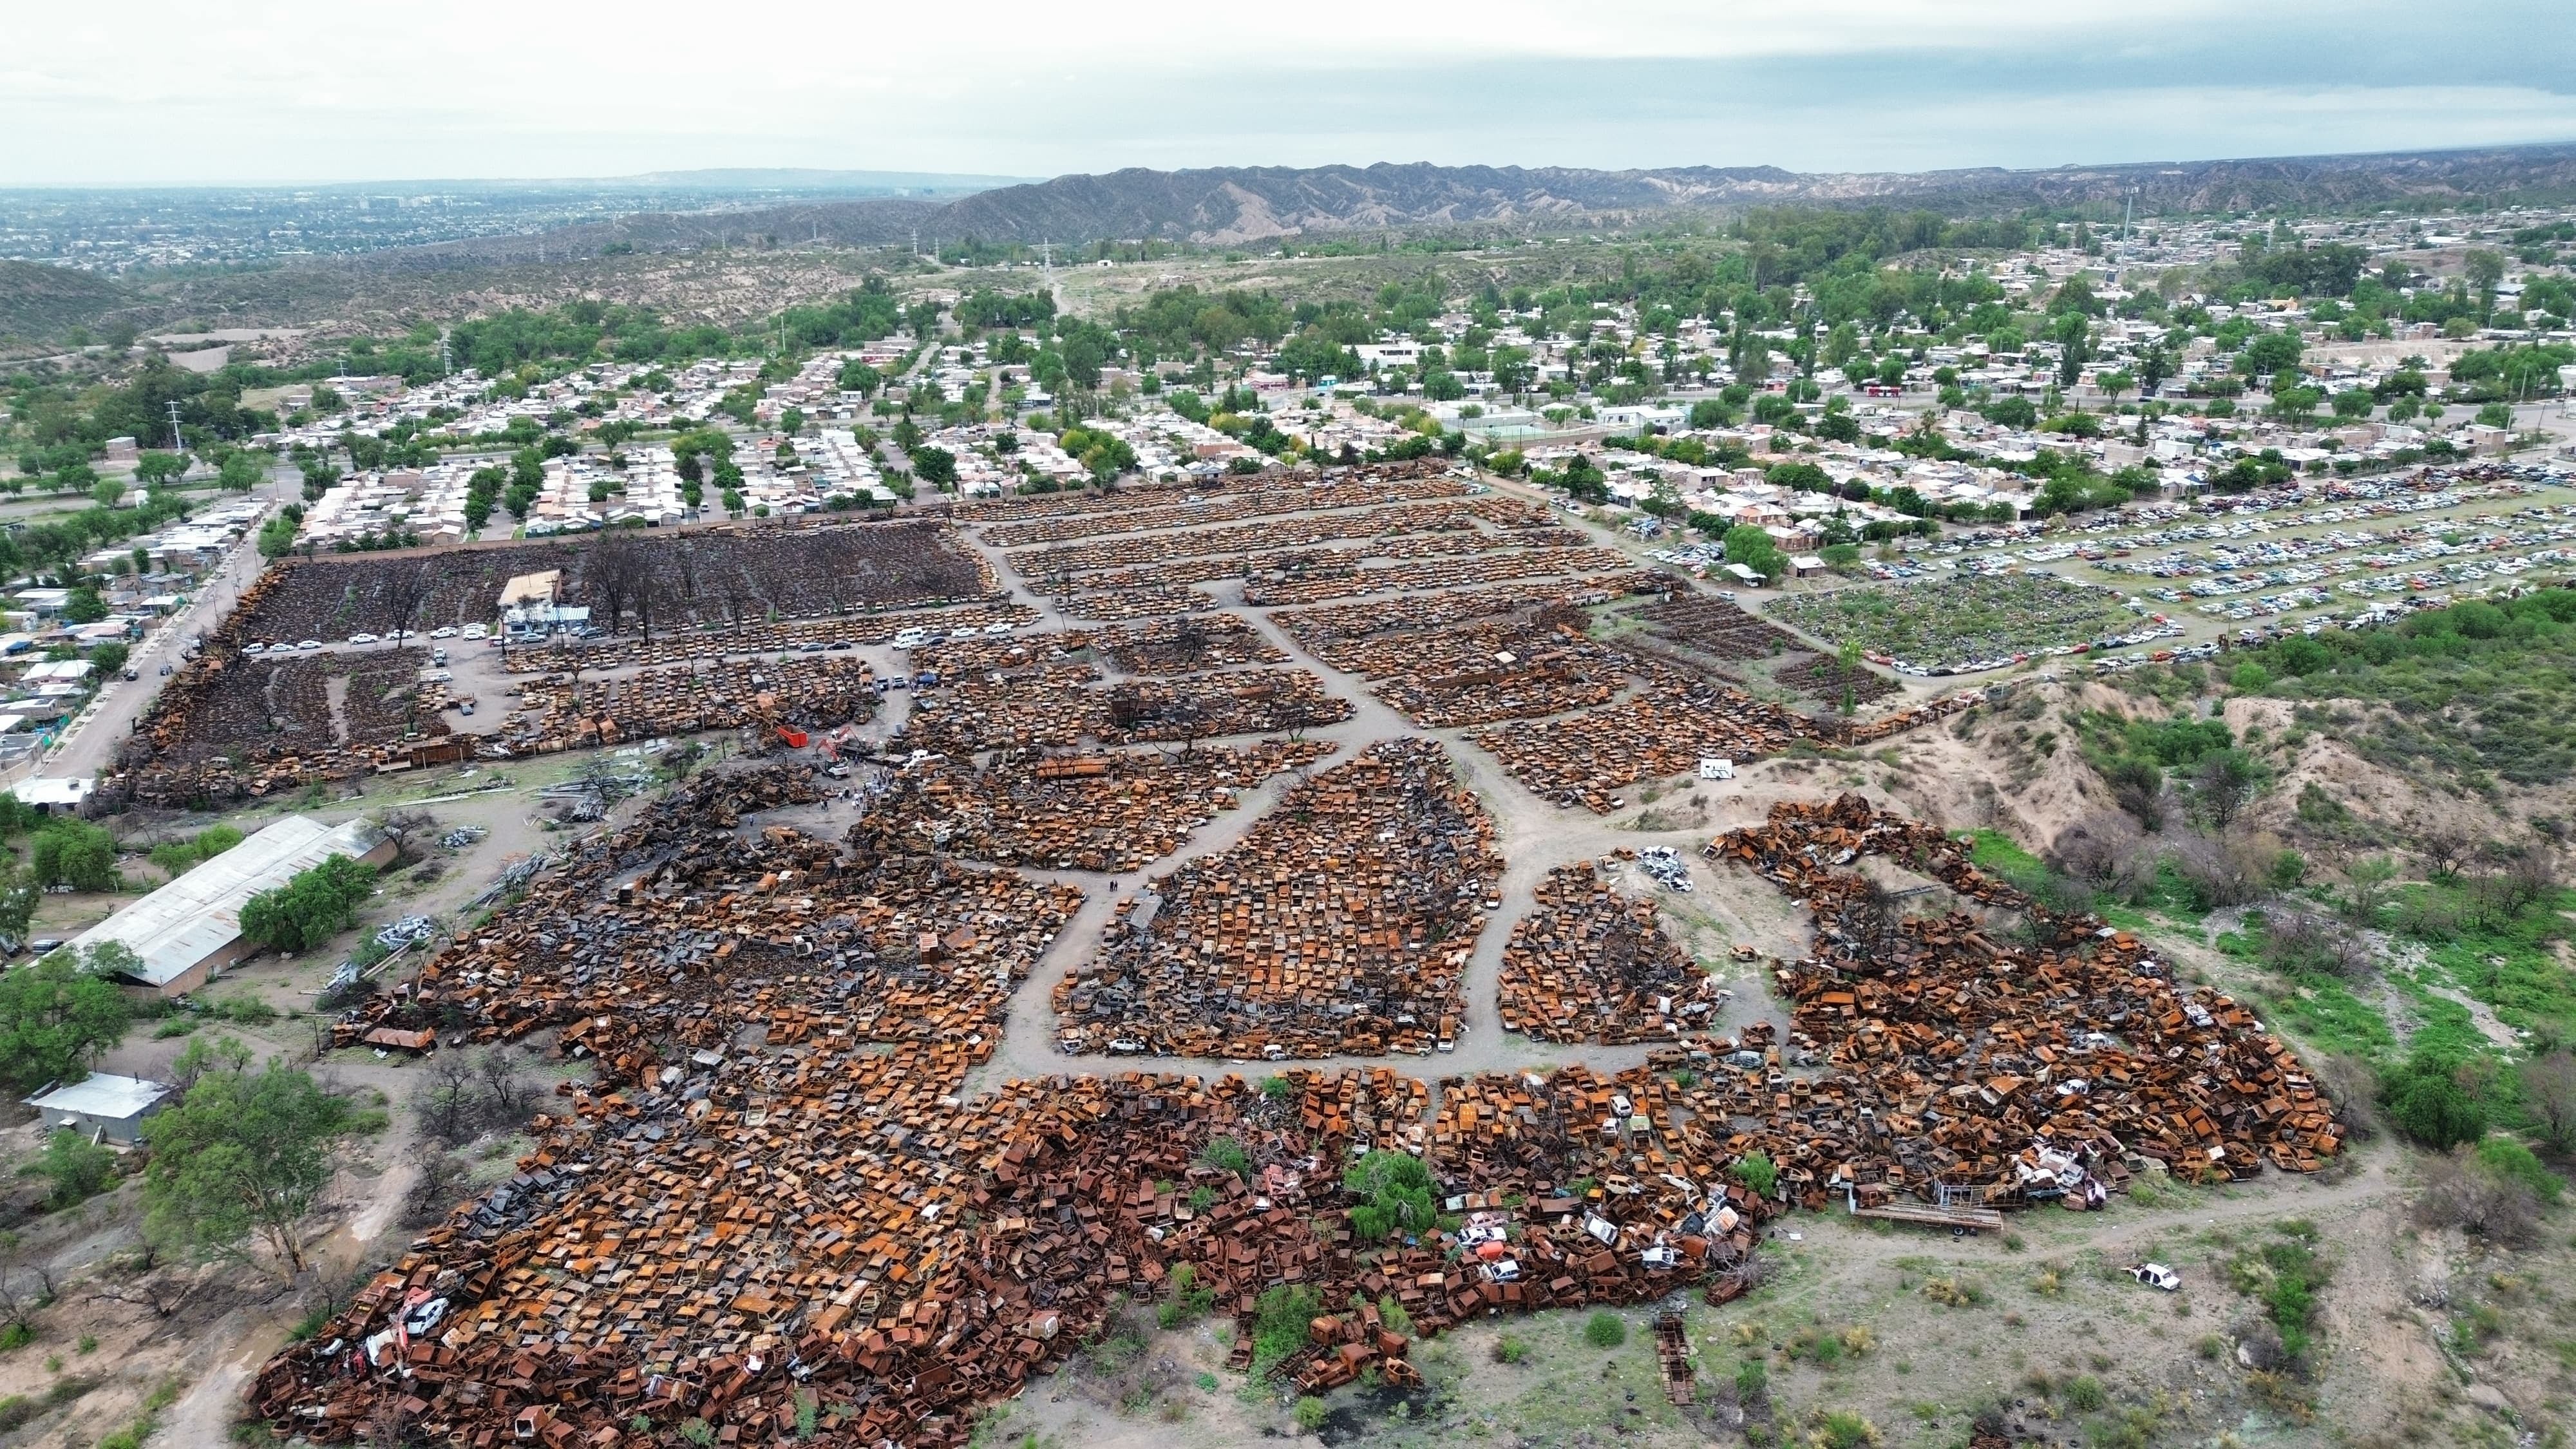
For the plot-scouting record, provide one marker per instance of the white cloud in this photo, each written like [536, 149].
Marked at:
[161, 90]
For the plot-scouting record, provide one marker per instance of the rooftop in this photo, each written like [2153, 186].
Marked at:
[102, 1095]
[198, 914]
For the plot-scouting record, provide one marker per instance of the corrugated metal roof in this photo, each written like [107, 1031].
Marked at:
[198, 914]
[102, 1095]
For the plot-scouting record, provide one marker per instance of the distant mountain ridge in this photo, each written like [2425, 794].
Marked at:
[1236, 205]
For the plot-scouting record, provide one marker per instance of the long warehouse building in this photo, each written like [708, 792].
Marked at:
[190, 929]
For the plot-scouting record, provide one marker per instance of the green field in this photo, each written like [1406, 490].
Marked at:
[1958, 620]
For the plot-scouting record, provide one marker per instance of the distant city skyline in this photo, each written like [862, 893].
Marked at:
[292, 91]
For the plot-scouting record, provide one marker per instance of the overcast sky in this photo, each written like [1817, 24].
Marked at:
[139, 91]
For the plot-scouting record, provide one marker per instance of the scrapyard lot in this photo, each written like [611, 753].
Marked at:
[1963, 624]
[851, 1164]
[775, 1203]
[274, 699]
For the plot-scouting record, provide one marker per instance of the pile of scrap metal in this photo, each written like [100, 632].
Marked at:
[1967, 1068]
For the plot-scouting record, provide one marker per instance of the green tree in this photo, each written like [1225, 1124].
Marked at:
[76, 1167]
[84, 606]
[156, 469]
[934, 466]
[1393, 1191]
[241, 473]
[311, 908]
[110, 659]
[243, 1158]
[1756, 1171]
[2484, 267]
[1753, 548]
[55, 1019]
[2429, 1102]
[73, 852]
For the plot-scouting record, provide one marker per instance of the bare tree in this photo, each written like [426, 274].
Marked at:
[2351, 1086]
[23, 1296]
[2226, 870]
[615, 573]
[2443, 848]
[2104, 850]
[404, 588]
[149, 1290]
[406, 827]
[2459, 1192]
[443, 1183]
[2549, 1090]
[449, 1110]
[505, 1090]
[734, 587]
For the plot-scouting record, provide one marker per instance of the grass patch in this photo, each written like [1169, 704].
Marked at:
[1958, 620]
[2322, 1011]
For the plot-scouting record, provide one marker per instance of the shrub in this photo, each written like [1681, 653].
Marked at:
[1756, 1171]
[2462, 1191]
[2509, 1160]
[1840, 1429]
[1279, 1319]
[2428, 1104]
[1751, 1380]
[1508, 1349]
[2085, 1395]
[1605, 1330]
[1394, 1192]
[310, 908]
[1310, 1413]
[1229, 1155]
[76, 1168]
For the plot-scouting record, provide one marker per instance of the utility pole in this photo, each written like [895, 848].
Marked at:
[177, 443]
[446, 364]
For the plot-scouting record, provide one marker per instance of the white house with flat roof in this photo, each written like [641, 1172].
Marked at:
[102, 1107]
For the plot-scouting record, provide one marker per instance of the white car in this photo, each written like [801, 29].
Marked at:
[475, 631]
[362, 638]
[254, 649]
[443, 631]
[309, 644]
[997, 630]
[2156, 1275]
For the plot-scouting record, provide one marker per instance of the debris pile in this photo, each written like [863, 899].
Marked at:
[1098, 812]
[564, 656]
[1144, 603]
[560, 712]
[1588, 964]
[1067, 564]
[1432, 574]
[1953, 1052]
[1341, 924]
[230, 725]
[776, 1207]
[1022, 701]
[1715, 627]
[1664, 729]
[700, 576]
[1186, 646]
